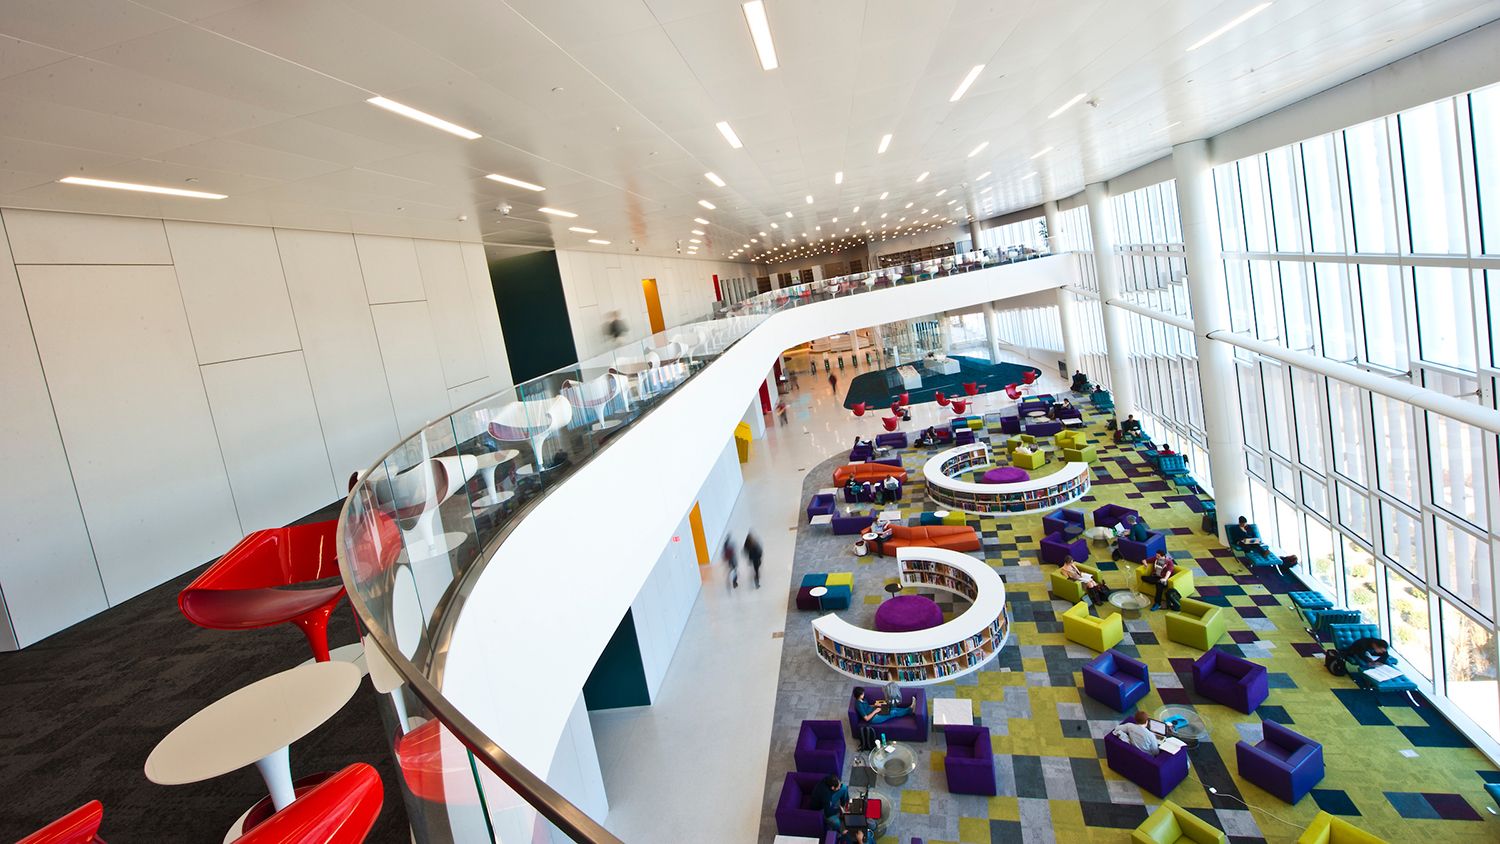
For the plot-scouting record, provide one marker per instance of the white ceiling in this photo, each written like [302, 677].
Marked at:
[611, 104]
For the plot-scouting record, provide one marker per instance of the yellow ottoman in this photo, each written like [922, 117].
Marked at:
[976, 424]
[841, 578]
[956, 517]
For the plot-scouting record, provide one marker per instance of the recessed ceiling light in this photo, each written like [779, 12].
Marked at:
[1044, 151]
[884, 214]
[509, 181]
[105, 183]
[598, 241]
[1067, 105]
[884, 195]
[1031, 175]
[728, 132]
[943, 191]
[923, 177]
[838, 178]
[557, 212]
[910, 204]
[694, 240]
[762, 234]
[1228, 26]
[988, 189]
[698, 232]
[582, 230]
[755, 240]
[855, 211]
[775, 225]
[964, 85]
[977, 150]
[706, 204]
[714, 177]
[885, 142]
[423, 117]
[760, 33]
[700, 221]
[923, 211]
[788, 214]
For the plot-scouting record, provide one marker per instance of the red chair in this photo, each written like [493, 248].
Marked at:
[959, 406]
[942, 399]
[1029, 376]
[340, 810]
[890, 422]
[1013, 391]
[971, 389]
[859, 409]
[905, 399]
[80, 826]
[243, 589]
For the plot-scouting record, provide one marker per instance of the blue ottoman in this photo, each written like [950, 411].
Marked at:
[1310, 600]
[838, 598]
[814, 579]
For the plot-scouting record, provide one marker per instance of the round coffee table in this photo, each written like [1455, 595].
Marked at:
[894, 761]
[1099, 534]
[905, 613]
[818, 591]
[1127, 599]
[893, 588]
[1185, 722]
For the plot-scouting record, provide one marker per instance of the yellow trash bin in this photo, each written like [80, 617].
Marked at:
[742, 441]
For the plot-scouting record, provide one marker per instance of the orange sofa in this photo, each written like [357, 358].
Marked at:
[872, 472]
[952, 537]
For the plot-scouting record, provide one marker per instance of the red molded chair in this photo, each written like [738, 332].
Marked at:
[1014, 391]
[905, 399]
[341, 810]
[971, 389]
[941, 398]
[80, 826]
[1029, 376]
[890, 422]
[242, 590]
[959, 406]
[859, 409]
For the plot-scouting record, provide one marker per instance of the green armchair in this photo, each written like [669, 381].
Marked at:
[1327, 829]
[1172, 824]
[1071, 590]
[1034, 460]
[1082, 454]
[1101, 634]
[1198, 624]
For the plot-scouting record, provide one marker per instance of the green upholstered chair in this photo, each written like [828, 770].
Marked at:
[1171, 824]
[1034, 460]
[1182, 581]
[1198, 624]
[1327, 829]
[1017, 441]
[1101, 634]
[1070, 438]
[1083, 454]
[1071, 590]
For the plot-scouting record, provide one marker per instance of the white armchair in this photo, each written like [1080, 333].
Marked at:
[594, 395]
[532, 421]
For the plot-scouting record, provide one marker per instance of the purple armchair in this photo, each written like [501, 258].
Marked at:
[861, 452]
[892, 440]
[820, 748]
[1056, 549]
[1157, 774]
[1139, 552]
[1110, 515]
[964, 436]
[1116, 680]
[820, 505]
[795, 813]
[1010, 424]
[911, 727]
[1233, 681]
[1056, 521]
[1069, 413]
[1043, 429]
[1285, 763]
[854, 523]
[970, 762]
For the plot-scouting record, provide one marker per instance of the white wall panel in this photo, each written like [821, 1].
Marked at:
[48, 579]
[389, 266]
[452, 308]
[46, 237]
[233, 289]
[271, 438]
[661, 609]
[487, 316]
[720, 492]
[339, 347]
[412, 366]
[134, 420]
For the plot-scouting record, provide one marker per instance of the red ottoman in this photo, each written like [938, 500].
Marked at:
[905, 613]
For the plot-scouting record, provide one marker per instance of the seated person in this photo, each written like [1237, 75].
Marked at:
[852, 836]
[890, 489]
[1368, 652]
[1080, 382]
[1250, 541]
[927, 437]
[883, 532]
[1130, 428]
[859, 442]
[852, 488]
[881, 712]
[1138, 531]
[1097, 592]
[832, 796]
[1162, 569]
[1166, 448]
[1025, 449]
[1136, 732]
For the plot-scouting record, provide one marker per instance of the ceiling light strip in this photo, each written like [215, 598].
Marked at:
[760, 33]
[963, 86]
[728, 132]
[105, 183]
[1067, 105]
[1228, 26]
[423, 117]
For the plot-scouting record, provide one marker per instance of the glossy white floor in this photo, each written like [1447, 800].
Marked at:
[695, 761]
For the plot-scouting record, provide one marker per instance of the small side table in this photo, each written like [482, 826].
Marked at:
[892, 588]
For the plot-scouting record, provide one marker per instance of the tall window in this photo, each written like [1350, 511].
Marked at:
[1445, 323]
[1384, 312]
[1485, 116]
[1373, 203]
[1429, 157]
[1320, 173]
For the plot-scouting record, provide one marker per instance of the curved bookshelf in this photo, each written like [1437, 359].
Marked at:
[1036, 495]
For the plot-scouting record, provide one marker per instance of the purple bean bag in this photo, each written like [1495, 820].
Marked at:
[905, 613]
[1006, 475]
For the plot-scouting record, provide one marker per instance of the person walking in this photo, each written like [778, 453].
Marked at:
[732, 562]
[781, 412]
[753, 553]
[833, 384]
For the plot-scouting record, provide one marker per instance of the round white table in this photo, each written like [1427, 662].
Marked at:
[488, 463]
[818, 591]
[255, 726]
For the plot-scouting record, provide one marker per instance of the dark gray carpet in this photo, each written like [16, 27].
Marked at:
[80, 712]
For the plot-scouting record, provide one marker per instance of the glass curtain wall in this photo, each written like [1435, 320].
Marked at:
[1035, 332]
[1025, 234]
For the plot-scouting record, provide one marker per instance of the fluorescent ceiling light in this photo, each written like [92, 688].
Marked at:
[557, 212]
[943, 191]
[855, 211]
[923, 177]
[1174, 123]
[700, 221]
[698, 232]
[423, 117]
[598, 241]
[582, 230]
[1044, 151]
[910, 204]
[885, 142]
[509, 181]
[1228, 26]
[706, 204]
[977, 150]
[694, 240]
[988, 189]
[809, 199]
[884, 195]
[714, 177]
[789, 215]
[1067, 105]
[104, 183]
[1031, 175]
[762, 234]
[728, 132]
[760, 33]
[775, 225]
[838, 178]
[984, 175]
[964, 85]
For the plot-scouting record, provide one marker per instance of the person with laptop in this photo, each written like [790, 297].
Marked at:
[879, 713]
[833, 797]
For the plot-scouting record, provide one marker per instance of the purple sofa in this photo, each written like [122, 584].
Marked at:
[970, 762]
[1285, 763]
[895, 439]
[1057, 520]
[1056, 549]
[822, 504]
[820, 748]
[1233, 681]
[1139, 552]
[1116, 680]
[1157, 774]
[1043, 429]
[795, 814]
[964, 436]
[1110, 515]
[911, 727]
[856, 523]
[1069, 413]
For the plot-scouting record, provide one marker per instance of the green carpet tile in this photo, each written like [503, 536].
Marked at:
[1398, 771]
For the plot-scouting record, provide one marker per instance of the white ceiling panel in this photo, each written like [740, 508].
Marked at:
[45, 121]
[80, 26]
[18, 56]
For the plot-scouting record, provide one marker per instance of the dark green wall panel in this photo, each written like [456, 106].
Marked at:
[533, 314]
[619, 677]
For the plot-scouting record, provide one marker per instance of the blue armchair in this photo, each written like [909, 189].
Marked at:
[821, 748]
[1285, 763]
[1258, 555]
[821, 504]
[1345, 635]
[1171, 465]
[1322, 621]
[1233, 681]
[1139, 552]
[1055, 522]
[1116, 680]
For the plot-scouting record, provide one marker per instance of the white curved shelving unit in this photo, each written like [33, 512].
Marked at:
[1036, 495]
[937, 654]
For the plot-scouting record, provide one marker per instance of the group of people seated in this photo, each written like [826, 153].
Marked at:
[1081, 383]
[833, 796]
[928, 436]
[878, 492]
[1055, 410]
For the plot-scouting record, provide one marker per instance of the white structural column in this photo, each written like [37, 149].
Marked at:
[1067, 319]
[1210, 309]
[974, 230]
[991, 332]
[1054, 234]
[1116, 342]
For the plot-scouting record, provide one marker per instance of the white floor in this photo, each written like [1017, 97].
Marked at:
[695, 761]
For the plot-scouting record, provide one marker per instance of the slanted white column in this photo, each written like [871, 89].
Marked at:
[1116, 342]
[991, 334]
[1210, 308]
[974, 234]
[1068, 319]
[1054, 242]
